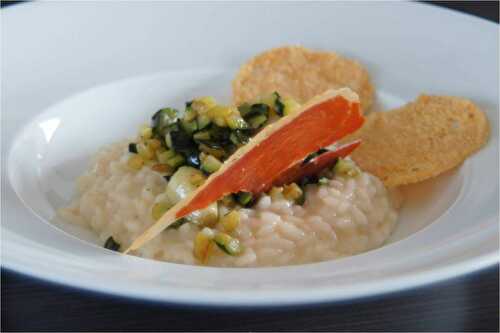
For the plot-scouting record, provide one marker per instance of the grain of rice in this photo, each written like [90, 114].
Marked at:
[342, 218]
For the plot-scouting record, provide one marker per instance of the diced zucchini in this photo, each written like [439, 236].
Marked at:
[135, 162]
[202, 121]
[203, 104]
[190, 114]
[220, 121]
[234, 139]
[163, 168]
[146, 133]
[176, 161]
[205, 217]
[111, 244]
[235, 121]
[244, 109]
[258, 109]
[243, 135]
[244, 198]
[177, 223]
[184, 181]
[270, 99]
[276, 193]
[323, 181]
[228, 244]
[193, 159]
[210, 164]
[181, 184]
[181, 141]
[154, 144]
[346, 167]
[145, 152]
[219, 135]
[290, 106]
[162, 119]
[274, 102]
[231, 221]
[293, 193]
[159, 209]
[279, 107]
[189, 126]
[164, 156]
[202, 135]
[218, 153]
[168, 140]
[132, 148]
[228, 201]
[257, 121]
[197, 178]
[219, 111]
[202, 244]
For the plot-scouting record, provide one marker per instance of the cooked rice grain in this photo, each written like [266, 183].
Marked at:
[343, 218]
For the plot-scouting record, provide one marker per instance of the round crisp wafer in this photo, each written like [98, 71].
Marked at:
[421, 139]
[300, 73]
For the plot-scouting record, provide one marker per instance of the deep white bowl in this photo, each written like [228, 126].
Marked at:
[77, 76]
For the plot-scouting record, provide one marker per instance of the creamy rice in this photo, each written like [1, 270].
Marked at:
[345, 217]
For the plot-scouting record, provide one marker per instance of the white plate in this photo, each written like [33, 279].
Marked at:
[78, 75]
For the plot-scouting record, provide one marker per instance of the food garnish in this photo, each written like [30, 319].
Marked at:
[255, 166]
[301, 74]
[421, 139]
[111, 244]
[313, 166]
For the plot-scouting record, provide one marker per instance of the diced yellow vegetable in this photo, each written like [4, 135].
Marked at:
[145, 151]
[163, 168]
[228, 244]
[190, 114]
[146, 133]
[203, 104]
[276, 193]
[135, 162]
[346, 167]
[292, 192]
[154, 144]
[218, 153]
[290, 106]
[220, 111]
[210, 164]
[159, 209]
[176, 160]
[164, 156]
[203, 244]
[228, 201]
[197, 179]
[231, 221]
[235, 121]
[220, 121]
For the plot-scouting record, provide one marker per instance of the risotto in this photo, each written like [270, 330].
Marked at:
[341, 217]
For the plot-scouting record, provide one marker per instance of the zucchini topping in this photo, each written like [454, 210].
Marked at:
[177, 138]
[132, 148]
[111, 244]
[346, 167]
[187, 146]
